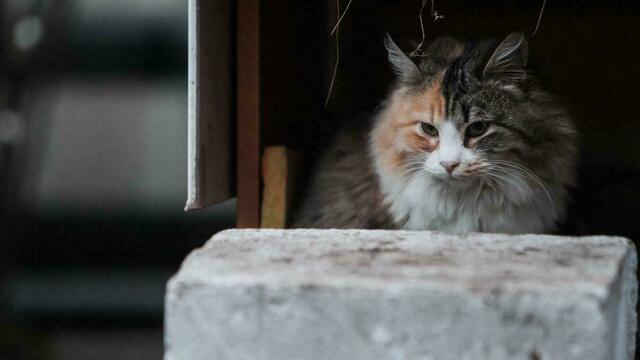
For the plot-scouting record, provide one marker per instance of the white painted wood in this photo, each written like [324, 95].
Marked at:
[350, 294]
[209, 114]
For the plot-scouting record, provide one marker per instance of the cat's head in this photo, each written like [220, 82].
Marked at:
[461, 112]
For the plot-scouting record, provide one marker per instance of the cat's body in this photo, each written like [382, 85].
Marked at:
[466, 142]
[345, 192]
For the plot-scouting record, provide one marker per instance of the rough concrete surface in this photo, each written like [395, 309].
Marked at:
[353, 294]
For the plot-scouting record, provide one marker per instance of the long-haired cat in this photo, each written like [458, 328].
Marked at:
[467, 141]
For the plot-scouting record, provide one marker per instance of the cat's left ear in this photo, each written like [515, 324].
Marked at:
[509, 60]
[406, 69]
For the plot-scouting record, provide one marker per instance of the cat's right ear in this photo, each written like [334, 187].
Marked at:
[509, 60]
[402, 65]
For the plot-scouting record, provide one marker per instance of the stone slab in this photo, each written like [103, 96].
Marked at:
[355, 294]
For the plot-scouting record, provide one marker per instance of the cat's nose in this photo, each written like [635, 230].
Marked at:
[449, 165]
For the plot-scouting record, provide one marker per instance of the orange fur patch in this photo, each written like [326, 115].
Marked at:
[396, 135]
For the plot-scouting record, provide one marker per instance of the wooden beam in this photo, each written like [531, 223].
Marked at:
[278, 173]
[248, 114]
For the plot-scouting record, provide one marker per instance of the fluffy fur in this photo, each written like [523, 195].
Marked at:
[467, 141]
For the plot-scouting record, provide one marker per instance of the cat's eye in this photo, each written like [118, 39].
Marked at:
[429, 129]
[477, 128]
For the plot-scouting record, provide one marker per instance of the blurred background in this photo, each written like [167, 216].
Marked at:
[93, 140]
[93, 173]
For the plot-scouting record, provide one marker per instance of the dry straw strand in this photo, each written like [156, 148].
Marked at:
[435, 15]
[544, 2]
[335, 28]
[337, 33]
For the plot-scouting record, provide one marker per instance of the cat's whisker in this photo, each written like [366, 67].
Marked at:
[412, 176]
[409, 163]
[514, 164]
[497, 189]
[491, 181]
[511, 174]
[520, 167]
[486, 181]
[408, 166]
[412, 167]
[532, 176]
[405, 161]
[521, 171]
[517, 186]
[512, 178]
[485, 173]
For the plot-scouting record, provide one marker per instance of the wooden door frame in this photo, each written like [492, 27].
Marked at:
[248, 114]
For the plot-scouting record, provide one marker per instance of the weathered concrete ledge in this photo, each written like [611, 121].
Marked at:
[330, 294]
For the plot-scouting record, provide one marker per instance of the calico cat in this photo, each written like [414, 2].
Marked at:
[467, 141]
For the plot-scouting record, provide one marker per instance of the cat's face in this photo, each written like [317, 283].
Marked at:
[461, 142]
[461, 113]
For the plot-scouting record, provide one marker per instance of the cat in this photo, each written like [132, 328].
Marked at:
[467, 141]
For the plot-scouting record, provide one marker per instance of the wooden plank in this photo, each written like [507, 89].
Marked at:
[248, 113]
[278, 174]
[210, 176]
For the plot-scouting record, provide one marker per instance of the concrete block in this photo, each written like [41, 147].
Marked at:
[351, 294]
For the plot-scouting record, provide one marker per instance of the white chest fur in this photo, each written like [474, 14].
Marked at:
[427, 203]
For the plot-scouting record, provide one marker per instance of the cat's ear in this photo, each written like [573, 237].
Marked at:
[509, 60]
[402, 65]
